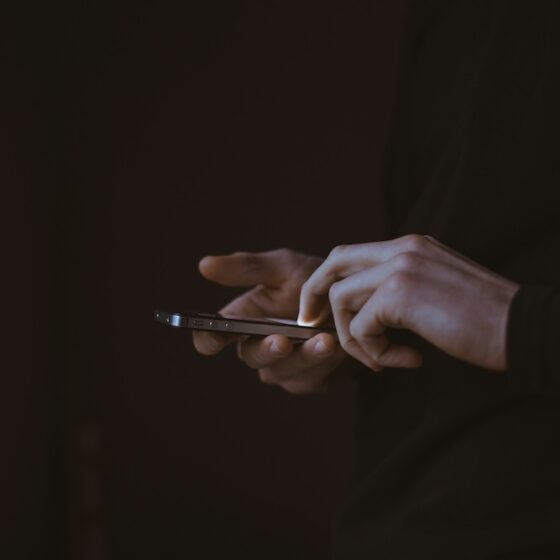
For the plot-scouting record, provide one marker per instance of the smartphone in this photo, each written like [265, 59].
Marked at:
[235, 324]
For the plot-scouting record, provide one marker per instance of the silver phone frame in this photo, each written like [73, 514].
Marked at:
[252, 327]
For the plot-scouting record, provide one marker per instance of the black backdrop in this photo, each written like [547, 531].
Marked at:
[179, 130]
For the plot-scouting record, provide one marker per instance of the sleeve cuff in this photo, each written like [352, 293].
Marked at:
[530, 339]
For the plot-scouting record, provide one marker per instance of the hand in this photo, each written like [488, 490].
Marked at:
[276, 278]
[416, 283]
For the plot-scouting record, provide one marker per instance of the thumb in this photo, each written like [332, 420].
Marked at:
[398, 356]
[244, 269]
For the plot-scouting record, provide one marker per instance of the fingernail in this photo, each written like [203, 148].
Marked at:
[322, 349]
[276, 350]
[304, 322]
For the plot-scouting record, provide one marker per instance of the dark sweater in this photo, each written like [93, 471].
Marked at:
[454, 461]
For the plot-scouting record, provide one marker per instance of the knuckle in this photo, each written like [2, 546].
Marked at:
[355, 330]
[415, 242]
[285, 254]
[337, 251]
[400, 283]
[408, 261]
[336, 294]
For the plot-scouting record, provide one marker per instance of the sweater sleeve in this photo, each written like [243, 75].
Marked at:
[533, 340]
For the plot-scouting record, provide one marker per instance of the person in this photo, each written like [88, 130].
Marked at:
[452, 322]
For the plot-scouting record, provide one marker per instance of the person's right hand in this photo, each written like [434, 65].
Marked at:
[275, 278]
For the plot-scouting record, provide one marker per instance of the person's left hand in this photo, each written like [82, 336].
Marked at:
[416, 283]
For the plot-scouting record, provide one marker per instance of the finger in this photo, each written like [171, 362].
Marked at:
[247, 304]
[346, 260]
[316, 379]
[262, 352]
[314, 352]
[339, 264]
[353, 292]
[246, 269]
[387, 354]
[342, 319]
[348, 296]
[210, 343]
[311, 379]
[399, 356]
[368, 330]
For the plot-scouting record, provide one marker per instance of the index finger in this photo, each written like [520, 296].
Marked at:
[341, 262]
[344, 261]
[245, 269]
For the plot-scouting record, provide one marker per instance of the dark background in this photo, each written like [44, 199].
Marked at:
[154, 134]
